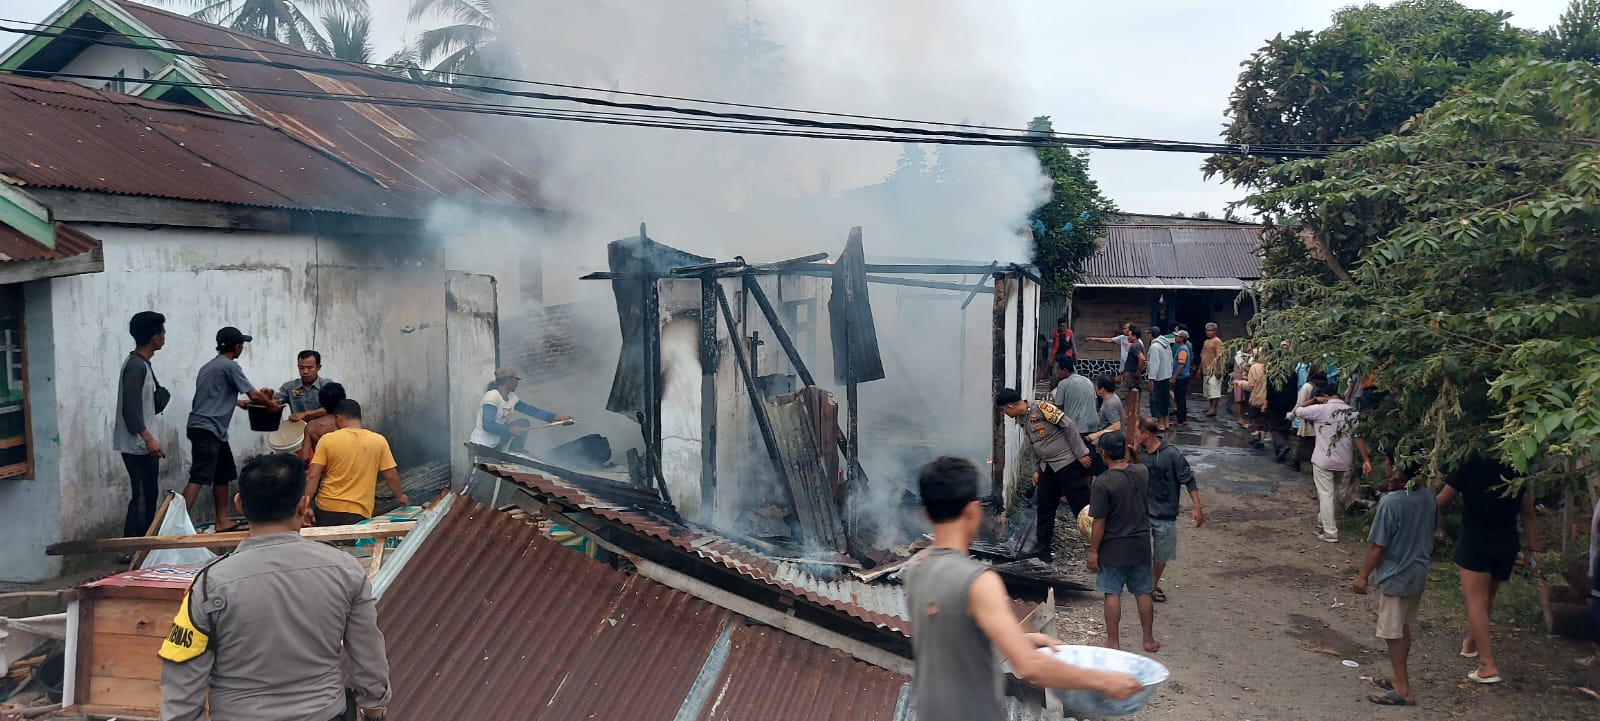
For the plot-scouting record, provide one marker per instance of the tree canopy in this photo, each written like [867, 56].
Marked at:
[1358, 79]
[1475, 290]
[1066, 226]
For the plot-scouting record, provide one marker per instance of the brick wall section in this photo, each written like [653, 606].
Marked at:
[541, 344]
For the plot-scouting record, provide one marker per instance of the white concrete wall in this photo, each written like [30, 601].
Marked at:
[373, 308]
[29, 519]
[471, 300]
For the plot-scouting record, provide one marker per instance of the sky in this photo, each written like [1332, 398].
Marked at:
[1146, 68]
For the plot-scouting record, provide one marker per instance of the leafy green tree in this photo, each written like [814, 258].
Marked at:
[472, 43]
[1361, 78]
[1576, 35]
[349, 36]
[1066, 226]
[287, 21]
[1475, 295]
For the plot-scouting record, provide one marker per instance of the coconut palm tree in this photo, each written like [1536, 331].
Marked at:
[287, 21]
[349, 36]
[472, 43]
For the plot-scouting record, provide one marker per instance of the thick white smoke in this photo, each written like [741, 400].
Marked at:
[768, 198]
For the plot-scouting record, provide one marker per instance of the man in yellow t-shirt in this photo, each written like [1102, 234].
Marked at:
[342, 481]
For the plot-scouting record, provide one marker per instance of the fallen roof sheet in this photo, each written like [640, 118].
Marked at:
[881, 605]
[489, 619]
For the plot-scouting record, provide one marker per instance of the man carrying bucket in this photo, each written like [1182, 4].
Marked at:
[216, 394]
[960, 614]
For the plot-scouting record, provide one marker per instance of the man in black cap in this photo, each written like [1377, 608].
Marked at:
[216, 394]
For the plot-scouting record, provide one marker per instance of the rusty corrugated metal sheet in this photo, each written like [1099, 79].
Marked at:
[883, 606]
[62, 135]
[430, 152]
[1176, 252]
[489, 619]
[768, 676]
[70, 242]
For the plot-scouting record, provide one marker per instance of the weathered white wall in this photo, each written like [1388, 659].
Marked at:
[374, 307]
[1025, 293]
[471, 302]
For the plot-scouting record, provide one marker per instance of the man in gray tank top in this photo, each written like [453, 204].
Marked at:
[960, 615]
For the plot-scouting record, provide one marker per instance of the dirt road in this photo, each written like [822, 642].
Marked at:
[1261, 616]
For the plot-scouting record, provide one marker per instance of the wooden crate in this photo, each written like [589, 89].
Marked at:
[121, 623]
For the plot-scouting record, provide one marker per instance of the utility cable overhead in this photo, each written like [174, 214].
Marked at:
[69, 31]
[898, 133]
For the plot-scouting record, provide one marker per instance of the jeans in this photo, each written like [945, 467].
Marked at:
[143, 471]
[1328, 483]
[1180, 396]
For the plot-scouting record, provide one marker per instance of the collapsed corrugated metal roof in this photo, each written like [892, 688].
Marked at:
[1199, 255]
[882, 606]
[489, 619]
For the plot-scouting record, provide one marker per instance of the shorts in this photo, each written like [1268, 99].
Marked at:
[1164, 540]
[213, 459]
[1131, 382]
[335, 518]
[1395, 613]
[1497, 563]
[1137, 579]
[1213, 388]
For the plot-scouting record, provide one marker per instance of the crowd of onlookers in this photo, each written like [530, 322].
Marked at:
[1304, 415]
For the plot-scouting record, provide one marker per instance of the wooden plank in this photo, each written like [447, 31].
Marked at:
[23, 271]
[132, 617]
[124, 656]
[377, 558]
[13, 442]
[14, 470]
[142, 696]
[223, 540]
[115, 713]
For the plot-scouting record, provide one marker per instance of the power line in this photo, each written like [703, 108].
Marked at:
[900, 134]
[70, 31]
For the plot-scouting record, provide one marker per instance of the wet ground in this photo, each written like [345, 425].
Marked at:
[1261, 616]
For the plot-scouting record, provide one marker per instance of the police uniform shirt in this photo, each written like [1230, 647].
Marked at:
[301, 399]
[261, 632]
[1052, 437]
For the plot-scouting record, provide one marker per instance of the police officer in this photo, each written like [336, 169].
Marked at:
[260, 631]
[1060, 460]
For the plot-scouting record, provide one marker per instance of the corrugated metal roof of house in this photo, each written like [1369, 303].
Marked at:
[490, 619]
[63, 135]
[70, 242]
[427, 151]
[881, 605]
[1176, 252]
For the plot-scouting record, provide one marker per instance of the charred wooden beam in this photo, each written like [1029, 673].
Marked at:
[753, 289]
[997, 467]
[888, 280]
[708, 393]
[757, 400]
[979, 287]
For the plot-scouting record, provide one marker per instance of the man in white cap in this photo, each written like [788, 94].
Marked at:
[496, 428]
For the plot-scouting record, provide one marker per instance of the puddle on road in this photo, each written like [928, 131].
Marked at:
[1316, 637]
[1206, 439]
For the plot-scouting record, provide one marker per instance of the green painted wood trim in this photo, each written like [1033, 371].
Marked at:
[26, 222]
[94, 8]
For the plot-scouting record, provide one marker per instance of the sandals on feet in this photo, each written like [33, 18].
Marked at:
[1474, 677]
[1383, 682]
[1390, 698]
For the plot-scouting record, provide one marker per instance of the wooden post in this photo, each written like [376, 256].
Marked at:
[708, 394]
[997, 380]
[753, 289]
[853, 452]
